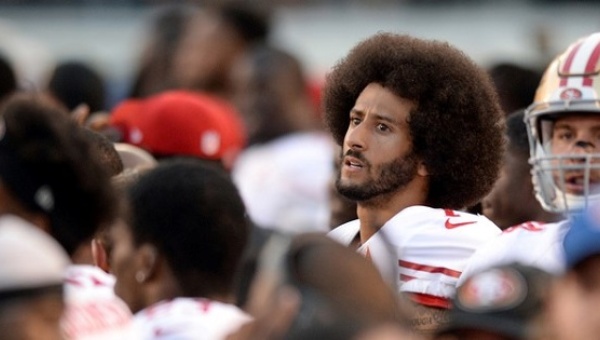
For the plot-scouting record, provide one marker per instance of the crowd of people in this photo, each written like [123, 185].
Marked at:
[413, 195]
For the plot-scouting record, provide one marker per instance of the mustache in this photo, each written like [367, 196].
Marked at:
[356, 154]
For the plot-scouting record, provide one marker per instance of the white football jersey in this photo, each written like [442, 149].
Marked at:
[530, 243]
[93, 311]
[423, 250]
[189, 318]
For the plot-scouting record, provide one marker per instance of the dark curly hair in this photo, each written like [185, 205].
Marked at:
[457, 125]
[49, 165]
[192, 212]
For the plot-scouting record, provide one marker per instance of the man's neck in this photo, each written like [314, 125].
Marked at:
[373, 214]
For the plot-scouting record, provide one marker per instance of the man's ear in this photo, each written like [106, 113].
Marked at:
[422, 169]
[148, 257]
[100, 255]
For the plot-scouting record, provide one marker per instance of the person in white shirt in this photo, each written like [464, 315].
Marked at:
[176, 252]
[421, 133]
[51, 175]
[31, 279]
[563, 125]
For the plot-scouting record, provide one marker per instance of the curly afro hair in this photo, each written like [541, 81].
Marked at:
[457, 126]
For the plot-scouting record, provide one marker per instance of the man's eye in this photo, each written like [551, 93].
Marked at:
[382, 127]
[354, 121]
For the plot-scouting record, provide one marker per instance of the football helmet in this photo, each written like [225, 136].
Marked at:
[570, 84]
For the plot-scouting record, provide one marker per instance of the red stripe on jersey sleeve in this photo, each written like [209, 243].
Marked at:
[429, 269]
[430, 300]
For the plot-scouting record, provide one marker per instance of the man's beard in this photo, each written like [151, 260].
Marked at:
[390, 177]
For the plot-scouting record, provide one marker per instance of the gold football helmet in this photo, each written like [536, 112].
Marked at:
[570, 85]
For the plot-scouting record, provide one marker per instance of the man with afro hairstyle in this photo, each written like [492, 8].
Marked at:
[421, 132]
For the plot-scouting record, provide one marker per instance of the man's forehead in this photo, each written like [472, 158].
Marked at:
[571, 118]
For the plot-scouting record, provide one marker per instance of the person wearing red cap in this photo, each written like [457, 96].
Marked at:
[181, 124]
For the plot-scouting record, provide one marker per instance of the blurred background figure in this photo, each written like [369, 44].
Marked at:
[271, 92]
[214, 38]
[575, 298]
[8, 78]
[512, 200]
[73, 83]
[154, 73]
[32, 268]
[515, 84]
[284, 174]
[181, 124]
[341, 209]
[176, 254]
[507, 302]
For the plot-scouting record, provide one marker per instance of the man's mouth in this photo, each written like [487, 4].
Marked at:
[353, 162]
[576, 183]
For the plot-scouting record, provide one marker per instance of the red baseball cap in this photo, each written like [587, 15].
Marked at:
[181, 123]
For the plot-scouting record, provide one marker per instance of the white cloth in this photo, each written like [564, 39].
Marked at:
[284, 183]
[189, 318]
[530, 243]
[93, 311]
[421, 249]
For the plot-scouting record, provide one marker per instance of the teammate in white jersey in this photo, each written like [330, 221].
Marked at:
[176, 257]
[563, 125]
[421, 134]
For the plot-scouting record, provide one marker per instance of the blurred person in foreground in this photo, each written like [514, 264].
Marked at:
[512, 200]
[575, 297]
[51, 175]
[507, 302]
[32, 268]
[301, 291]
[410, 114]
[563, 125]
[177, 250]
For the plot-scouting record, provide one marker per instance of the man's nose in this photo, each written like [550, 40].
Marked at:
[355, 138]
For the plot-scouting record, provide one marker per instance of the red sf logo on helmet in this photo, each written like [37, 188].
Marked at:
[570, 94]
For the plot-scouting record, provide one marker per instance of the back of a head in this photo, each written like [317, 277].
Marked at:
[74, 83]
[49, 166]
[106, 151]
[516, 131]
[8, 78]
[193, 214]
[515, 84]
[337, 284]
[251, 22]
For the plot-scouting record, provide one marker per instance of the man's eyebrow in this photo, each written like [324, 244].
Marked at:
[378, 116]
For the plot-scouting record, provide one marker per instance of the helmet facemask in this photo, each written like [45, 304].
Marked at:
[566, 176]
